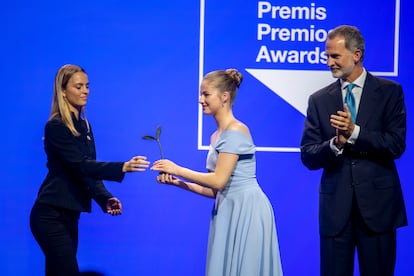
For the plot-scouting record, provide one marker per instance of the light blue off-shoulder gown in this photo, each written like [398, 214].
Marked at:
[242, 239]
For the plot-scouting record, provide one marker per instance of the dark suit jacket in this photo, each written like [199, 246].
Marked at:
[366, 168]
[74, 176]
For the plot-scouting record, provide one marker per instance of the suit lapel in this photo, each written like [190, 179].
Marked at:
[335, 95]
[369, 99]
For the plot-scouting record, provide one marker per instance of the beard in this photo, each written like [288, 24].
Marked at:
[342, 72]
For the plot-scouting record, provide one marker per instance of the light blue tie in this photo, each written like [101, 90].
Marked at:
[350, 100]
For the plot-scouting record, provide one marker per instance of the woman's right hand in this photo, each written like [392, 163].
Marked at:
[166, 178]
[136, 164]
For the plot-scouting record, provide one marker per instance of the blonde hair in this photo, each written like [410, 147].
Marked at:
[60, 106]
[226, 80]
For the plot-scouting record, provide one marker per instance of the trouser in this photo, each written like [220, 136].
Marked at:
[376, 251]
[56, 231]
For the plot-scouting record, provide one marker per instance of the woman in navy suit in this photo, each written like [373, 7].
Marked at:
[74, 176]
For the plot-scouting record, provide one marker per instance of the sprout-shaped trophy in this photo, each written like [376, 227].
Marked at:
[156, 138]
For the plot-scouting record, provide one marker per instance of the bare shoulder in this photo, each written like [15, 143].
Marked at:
[239, 126]
[213, 137]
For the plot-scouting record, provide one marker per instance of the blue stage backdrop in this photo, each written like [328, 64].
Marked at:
[145, 60]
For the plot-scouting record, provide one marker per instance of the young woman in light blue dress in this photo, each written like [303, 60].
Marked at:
[243, 238]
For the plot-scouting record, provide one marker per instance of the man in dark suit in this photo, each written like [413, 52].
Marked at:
[361, 203]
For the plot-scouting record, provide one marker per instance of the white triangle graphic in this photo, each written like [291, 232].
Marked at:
[293, 86]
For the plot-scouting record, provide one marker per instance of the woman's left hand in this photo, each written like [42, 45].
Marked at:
[166, 166]
[113, 206]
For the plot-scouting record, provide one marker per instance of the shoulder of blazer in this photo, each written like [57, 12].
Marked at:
[330, 89]
[373, 83]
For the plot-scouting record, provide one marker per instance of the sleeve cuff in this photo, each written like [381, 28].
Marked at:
[334, 148]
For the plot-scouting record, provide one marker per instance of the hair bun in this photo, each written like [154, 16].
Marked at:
[235, 75]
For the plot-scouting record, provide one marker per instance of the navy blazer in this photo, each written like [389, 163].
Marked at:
[74, 176]
[366, 168]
